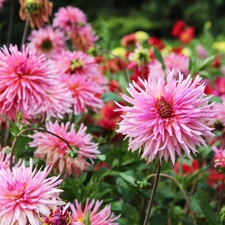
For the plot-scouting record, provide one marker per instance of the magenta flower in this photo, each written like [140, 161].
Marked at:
[55, 150]
[93, 213]
[26, 194]
[24, 81]
[219, 157]
[47, 41]
[86, 93]
[166, 117]
[68, 18]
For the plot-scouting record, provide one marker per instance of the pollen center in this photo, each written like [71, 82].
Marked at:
[46, 45]
[164, 108]
[76, 65]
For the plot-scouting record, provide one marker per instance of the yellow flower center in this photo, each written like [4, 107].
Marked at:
[164, 108]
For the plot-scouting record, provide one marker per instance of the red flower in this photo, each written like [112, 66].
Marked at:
[177, 50]
[129, 40]
[156, 42]
[187, 35]
[178, 27]
[215, 179]
[220, 86]
[102, 164]
[217, 61]
[186, 169]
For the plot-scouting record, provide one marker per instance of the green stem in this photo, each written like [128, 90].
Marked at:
[153, 193]
[220, 197]
[31, 129]
[182, 191]
[25, 30]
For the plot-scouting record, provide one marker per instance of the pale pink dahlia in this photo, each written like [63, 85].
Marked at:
[24, 81]
[26, 194]
[47, 41]
[97, 216]
[78, 63]
[166, 116]
[69, 18]
[177, 62]
[55, 150]
[219, 157]
[86, 93]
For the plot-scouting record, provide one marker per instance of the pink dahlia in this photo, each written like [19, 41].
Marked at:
[24, 81]
[55, 150]
[93, 213]
[26, 194]
[86, 93]
[219, 157]
[177, 62]
[78, 63]
[69, 18]
[166, 116]
[47, 41]
[83, 38]
[1, 3]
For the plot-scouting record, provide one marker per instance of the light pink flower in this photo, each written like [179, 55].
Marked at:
[26, 194]
[55, 150]
[86, 93]
[166, 117]
[78, 63]
[177, 62]
[68, 18]
[47, 41]
[97, 216]
[201, 51]
[219, 157]
[24, 81]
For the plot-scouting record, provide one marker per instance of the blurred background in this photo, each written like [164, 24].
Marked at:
[117, 18]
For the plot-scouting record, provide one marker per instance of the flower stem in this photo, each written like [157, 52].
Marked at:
[153, 193]
[11, 18]
[29, 129]
[220, 196]
[25, 30]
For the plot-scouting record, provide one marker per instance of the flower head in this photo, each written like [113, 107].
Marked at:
[38, 11]
[47, 41]
[68, 18]
[25, 80]
[26, 194]
[219, 157]
[55, 150]
[178, 27]
[92, 213]
[166, 117]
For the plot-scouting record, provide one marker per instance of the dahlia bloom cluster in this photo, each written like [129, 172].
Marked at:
[29, 85]
[26, 194]
[55, 150]
[73, 22]
[93, 212]
[165, 117]
[81, 74]
[47, 41]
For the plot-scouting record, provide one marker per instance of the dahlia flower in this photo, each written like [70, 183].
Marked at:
[93, 213]
[177, 62]
[25, 80]
[166, 117]
[47, 41]
[55, 150]
[83, 38]
[1, 3]
[39, 10]
[219, 157]
[26, 194]
[68, 18]
[78, 63]
[86, 93]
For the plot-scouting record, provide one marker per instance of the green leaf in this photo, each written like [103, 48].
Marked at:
[210, 216]
[216, 99]
[110, 96]
[195, 205]
[22, 141]
[128, 178]
[206, 62]
[158, 56]
[14, 129]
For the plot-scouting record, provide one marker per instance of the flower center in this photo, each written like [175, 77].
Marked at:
[17, 191]
[80, 219]
[164, 108]
[46, 45]
[21, 69]
[76, 65]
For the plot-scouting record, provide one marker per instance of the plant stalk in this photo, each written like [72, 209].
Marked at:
[153, 193]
